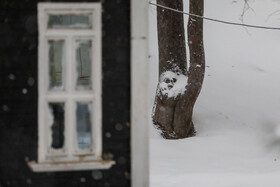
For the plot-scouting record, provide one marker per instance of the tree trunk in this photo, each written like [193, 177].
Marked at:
[171, 37]
[173, 112]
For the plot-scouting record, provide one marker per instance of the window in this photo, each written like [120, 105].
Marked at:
[69, 85]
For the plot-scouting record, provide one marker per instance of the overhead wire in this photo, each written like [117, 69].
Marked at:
[214, 20]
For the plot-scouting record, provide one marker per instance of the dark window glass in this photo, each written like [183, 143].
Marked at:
[69, 21]
[83, 60]
[57, 126]
[55, 63]
[84, 134]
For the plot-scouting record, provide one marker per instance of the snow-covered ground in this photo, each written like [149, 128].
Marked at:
[237, 115]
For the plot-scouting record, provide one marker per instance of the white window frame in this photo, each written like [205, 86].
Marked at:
[70, 158]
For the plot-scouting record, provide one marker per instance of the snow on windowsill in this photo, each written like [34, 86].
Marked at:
[70, 166]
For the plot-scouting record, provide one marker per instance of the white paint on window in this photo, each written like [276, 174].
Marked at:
[69, 34]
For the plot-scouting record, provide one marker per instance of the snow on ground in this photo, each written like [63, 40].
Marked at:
[237, 115]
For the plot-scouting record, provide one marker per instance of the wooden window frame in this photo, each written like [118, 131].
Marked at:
[71, 159]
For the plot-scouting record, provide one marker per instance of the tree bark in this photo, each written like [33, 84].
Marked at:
[171, 36]
[174, 115]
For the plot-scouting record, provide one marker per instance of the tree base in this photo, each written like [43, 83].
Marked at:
[172, 135]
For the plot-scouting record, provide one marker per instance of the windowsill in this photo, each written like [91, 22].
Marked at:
[70, 166]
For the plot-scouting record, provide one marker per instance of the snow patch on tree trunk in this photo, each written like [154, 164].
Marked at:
[171, 84]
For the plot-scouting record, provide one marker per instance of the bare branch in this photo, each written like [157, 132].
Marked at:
[246, 7]
[272, 14]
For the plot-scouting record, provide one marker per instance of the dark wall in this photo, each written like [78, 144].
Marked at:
[18, 98]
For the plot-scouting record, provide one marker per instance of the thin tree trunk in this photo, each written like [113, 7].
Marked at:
[174, 115]
[183, 124]
[172, 57]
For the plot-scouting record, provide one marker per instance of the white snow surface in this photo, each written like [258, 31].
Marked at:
[172, 84]
[237, 115]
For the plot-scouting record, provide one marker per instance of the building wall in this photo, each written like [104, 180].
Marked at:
[18, 97]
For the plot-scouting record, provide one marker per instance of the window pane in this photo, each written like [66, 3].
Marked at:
[83, 59]
[84, 134]
[57, 125]
[55, 63]
[69, 21]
